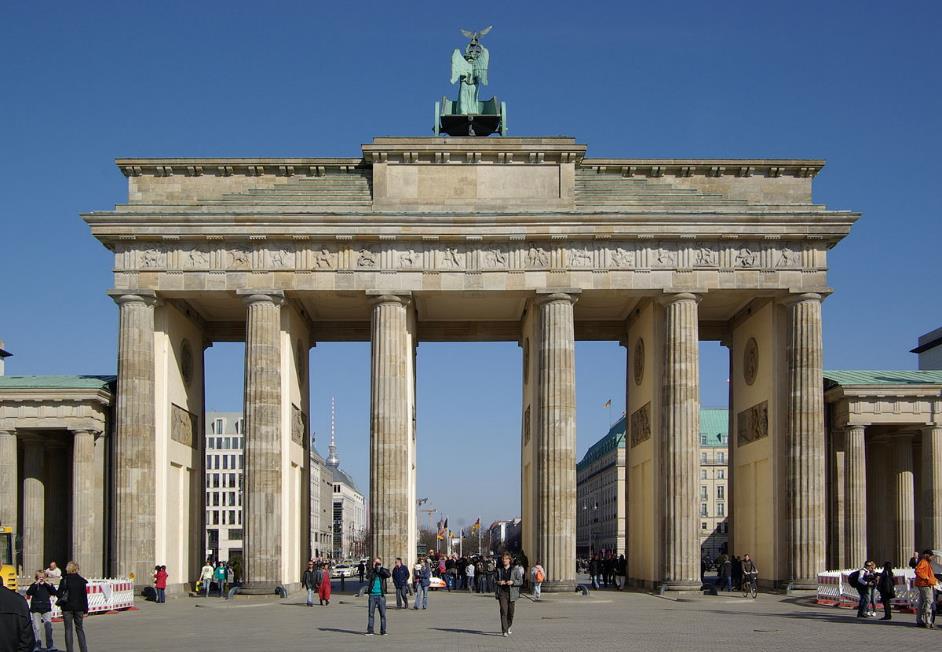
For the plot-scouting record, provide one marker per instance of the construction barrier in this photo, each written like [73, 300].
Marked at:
[834, 589]
[104, 595]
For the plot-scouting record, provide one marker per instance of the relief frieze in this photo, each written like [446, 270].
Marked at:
[752, 424]
[639, 425]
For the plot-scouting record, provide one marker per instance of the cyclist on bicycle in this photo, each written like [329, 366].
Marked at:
[750, 572]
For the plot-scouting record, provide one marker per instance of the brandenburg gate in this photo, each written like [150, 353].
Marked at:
[473, 239]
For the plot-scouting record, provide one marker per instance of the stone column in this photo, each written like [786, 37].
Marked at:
[86, 539]
[680, 444]
[555, 479]
[390, 414]
[261, 515]
[8, 477]
[804, 444]
[135, 501]
[905, 500]
[855, 496]
[837, 537]
[34, 507]
[931, 488]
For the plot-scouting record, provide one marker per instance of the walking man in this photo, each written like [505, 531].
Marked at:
[509, 581]
[206, 577]
[309, 582]
[423, 577]
[925, 583]
[400, 575]
[376, 580]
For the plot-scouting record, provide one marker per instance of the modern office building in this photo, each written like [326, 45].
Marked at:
[225, 448]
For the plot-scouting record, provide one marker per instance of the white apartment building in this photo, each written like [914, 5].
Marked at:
[225, 446]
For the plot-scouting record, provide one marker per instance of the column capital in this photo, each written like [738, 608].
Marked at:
[675, 297]
[550, 295]
[258, 295]
[378, 297]
[804, 297]
[120, 297]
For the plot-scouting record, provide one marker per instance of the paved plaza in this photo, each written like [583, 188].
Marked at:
[604, 620]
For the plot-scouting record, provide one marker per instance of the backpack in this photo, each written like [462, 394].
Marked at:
[854, 580]
[540, 576]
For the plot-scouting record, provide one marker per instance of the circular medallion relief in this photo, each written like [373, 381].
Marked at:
[639, 361]
[186, 362]
[750, 361]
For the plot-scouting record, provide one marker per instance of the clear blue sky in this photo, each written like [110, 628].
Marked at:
[854, 83]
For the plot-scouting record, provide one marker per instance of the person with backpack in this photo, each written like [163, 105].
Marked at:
[538, 576]
[886, 585]
[864, 580]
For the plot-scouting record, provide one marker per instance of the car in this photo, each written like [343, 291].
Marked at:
[436, 583]
[342, 570]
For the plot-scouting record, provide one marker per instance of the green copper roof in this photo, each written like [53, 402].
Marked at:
[714, 427]
[713, 422]
[898, 377]
[55, 382]
[614, 438]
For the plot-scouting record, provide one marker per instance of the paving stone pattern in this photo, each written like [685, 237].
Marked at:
[605, 620]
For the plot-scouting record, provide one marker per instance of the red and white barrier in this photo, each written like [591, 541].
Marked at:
[104, 595]
[834, 589]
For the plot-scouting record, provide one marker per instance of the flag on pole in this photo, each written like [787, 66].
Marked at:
[607, 404]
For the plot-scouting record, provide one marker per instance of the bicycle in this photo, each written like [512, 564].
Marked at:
[750, 588]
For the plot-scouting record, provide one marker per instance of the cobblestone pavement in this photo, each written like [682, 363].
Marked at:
[604, 620]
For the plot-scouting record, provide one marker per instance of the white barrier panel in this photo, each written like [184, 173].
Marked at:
[103, 595]
[834, 588]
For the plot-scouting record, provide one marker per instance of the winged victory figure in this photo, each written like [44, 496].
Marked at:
[470, 70]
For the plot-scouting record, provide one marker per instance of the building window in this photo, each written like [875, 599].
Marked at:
[721, 509]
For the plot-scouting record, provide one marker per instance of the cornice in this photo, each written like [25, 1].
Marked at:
[673, 167]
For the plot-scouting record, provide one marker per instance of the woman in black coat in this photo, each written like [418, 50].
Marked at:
[73, 600]
[886, 585]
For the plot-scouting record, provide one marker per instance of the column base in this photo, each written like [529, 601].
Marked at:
[682, 586]
[559, 586]
[803, 584]
[259, 588]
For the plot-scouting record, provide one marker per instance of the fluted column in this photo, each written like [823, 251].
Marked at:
[135, 502]
[86, 532]
[804, 443]
[836, 496]
[391, 384]
[34, 507]
[931, 487]
[555, 479]
[8, 477]
[905, 542]
[261, 517]
[680, 444]
[855, 496]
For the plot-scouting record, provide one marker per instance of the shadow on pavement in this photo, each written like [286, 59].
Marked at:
[457, 630]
